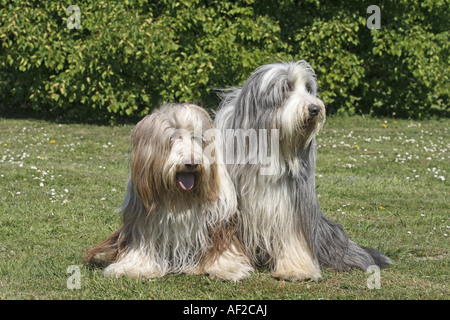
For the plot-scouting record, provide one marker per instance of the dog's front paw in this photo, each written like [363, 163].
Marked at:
[229, 266]
[117, 270]
[296, 270]
[231, 272]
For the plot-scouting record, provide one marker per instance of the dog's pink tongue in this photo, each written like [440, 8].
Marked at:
[186, 180]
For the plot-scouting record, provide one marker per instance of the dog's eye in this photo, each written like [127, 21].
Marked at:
[309, 88]
[175, 136]
[289, 87]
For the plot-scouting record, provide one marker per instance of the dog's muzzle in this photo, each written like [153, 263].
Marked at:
[187, 178]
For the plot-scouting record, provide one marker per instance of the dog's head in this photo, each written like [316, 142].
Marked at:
[280, 96]
[171, 161]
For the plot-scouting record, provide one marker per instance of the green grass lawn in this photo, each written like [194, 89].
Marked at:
[385, 181]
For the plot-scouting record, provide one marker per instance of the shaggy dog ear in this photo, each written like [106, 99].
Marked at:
[146, 160]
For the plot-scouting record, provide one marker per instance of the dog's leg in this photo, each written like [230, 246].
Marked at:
[230, 264]
[135, 264]
[295, 262]
[105, 252]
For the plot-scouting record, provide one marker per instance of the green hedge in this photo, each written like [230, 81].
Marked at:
[402, 69]
[129, 56]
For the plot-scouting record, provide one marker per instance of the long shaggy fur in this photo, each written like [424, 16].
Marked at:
[280, 221]
[179, 213]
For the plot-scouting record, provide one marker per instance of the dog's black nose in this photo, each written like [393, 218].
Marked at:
[313, 110]
[191, 166]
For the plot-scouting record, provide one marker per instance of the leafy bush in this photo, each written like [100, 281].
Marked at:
[408, 66]
[400, 69]
[129, 56]
[126, 58]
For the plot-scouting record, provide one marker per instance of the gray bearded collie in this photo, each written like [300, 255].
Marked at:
[280, 222]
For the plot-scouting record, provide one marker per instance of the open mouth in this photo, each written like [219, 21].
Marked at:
[186, 180]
